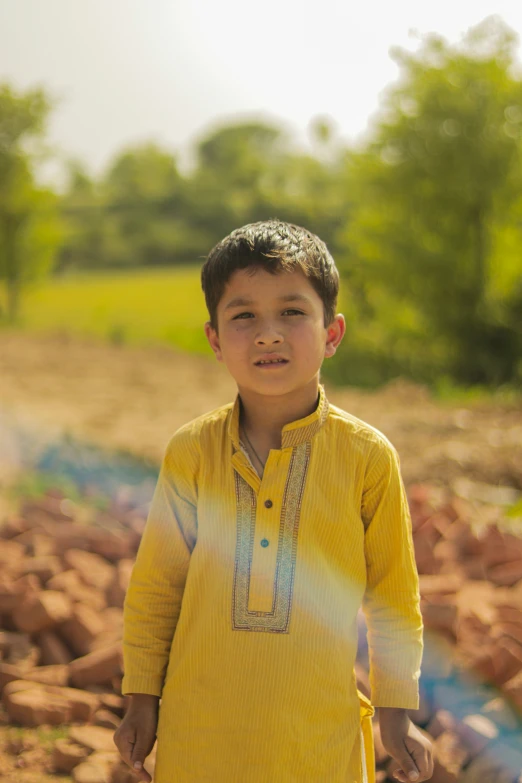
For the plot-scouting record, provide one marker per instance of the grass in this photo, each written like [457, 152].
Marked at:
[158, 306]
[446, 391]
[127, 308]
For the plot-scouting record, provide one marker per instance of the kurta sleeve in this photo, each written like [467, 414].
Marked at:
[153, 600]
[391, 602]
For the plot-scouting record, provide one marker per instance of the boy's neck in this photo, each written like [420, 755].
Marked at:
[264, 416]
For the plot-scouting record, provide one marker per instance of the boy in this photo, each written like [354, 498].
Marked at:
[274, 518]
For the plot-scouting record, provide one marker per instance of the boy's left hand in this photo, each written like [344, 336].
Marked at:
[406, 744]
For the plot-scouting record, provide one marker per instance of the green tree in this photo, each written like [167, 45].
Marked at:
[251, 171]
[433, 249]
[29, 226]
[83, 211]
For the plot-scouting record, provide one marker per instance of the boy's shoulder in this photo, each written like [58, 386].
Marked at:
[359, 433]
[192, 430]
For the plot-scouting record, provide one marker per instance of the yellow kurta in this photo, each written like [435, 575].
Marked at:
[242, 605]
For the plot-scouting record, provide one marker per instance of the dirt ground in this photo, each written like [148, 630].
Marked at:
[133, 399]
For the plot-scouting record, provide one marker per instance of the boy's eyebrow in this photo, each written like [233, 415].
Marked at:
[240, 301]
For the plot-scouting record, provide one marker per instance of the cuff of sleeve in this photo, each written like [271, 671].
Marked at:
[404, 695]
[140, 683]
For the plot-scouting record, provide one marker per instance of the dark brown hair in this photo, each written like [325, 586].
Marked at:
[276, 247]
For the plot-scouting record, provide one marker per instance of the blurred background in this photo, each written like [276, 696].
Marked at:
[135, 135]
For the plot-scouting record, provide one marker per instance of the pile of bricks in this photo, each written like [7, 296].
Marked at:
[62, 586]
[471, 682]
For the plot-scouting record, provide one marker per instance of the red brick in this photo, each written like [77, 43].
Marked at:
[43, 545]
[118, 588]
[94, 570]
[507, 660]
[430, 584]
[23, 652]
[42, 611]
[9, 672]
[445, 551]
[34, 706]
[513, 690]
[82, 705]
[509, 614]
[13, 526]
[66, 755]
[425, 560]
[11, 553]
[440, 616]
[53, 649]
[43, 567]
[93, 737]
[71, 583]
[106, 719]
[506, 573]
[9, 597]
[450, 753]
[49, 675]
[113, 702]
[82, 628]
[513, 630]
[34, 511]
[97, 667]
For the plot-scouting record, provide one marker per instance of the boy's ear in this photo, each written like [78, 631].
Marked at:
[213, 339]
[334, 334]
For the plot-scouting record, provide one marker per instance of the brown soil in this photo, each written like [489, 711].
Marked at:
[134, 398]
[25, 755]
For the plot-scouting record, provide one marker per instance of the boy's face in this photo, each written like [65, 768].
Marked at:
[279, 314]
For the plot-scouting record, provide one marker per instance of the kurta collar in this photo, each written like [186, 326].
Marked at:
[293, 433]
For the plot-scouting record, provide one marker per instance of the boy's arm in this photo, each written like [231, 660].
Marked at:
[391, 600]
[153, 599]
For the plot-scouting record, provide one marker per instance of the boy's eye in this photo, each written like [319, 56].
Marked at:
[290, 310]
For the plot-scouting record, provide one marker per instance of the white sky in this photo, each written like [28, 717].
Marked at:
[130, 70]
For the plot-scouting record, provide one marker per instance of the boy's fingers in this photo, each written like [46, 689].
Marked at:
[141, 772]
[125, 744]
[409, 768]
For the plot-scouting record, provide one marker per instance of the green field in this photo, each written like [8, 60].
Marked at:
[134, 308]
[156, 306]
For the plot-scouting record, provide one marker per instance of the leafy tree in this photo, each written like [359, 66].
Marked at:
[83, 212]
[29, 227]
[131, 216]
[436, 234]
[251, 171]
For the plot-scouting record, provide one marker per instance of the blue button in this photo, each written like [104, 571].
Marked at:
[264, 542]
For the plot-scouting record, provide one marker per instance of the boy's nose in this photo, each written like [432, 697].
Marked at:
[268, 336]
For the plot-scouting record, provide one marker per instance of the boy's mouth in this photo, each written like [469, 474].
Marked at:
[270, 362]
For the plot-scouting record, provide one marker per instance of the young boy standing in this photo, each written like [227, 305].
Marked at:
[275, 517]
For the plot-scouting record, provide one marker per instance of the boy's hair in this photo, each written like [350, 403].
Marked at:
[276, 247]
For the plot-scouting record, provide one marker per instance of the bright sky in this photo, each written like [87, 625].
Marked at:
[126, 71]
